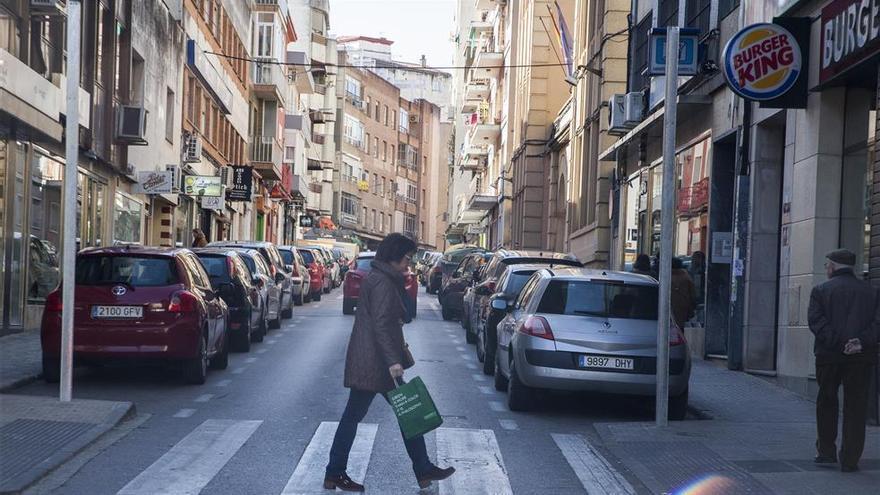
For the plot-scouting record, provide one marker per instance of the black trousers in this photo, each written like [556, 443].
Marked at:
[855, 378]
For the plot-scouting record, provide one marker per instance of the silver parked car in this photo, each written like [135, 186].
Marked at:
[586, 330]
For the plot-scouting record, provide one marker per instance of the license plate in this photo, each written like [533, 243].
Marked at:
[606, 362]
[117, 312]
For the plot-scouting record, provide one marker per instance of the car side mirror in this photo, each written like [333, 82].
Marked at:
[258, 282]
[343, 269]
[482, 290]
[279, 277]
[225, 290]
[500, 304]
[289, 268]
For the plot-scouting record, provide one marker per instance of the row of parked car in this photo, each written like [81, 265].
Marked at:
[541, 321]
[184, 307]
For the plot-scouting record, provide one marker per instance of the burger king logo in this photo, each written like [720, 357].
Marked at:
[762, 62]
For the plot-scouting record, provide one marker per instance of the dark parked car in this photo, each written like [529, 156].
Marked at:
[454, 286]
[232, 279]
[483, 286]
[140, 304]
[424, 265]
[277, 269]
[434, 276]
[267, 286]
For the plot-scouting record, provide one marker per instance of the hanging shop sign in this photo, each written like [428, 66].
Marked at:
[763, 62]
[202, 185]
[154, 183]
[688, 51]
[215, 203]
[306, 221]
[242, 183]
[850, 34]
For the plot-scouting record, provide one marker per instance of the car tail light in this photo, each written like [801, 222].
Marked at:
[537, 326]
[53, 301]
[182, 302]
[437, 269]
[314, 268]
[231, 267]
[491, 286]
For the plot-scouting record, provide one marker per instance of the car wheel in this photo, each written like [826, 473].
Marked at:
[317, 297]
[447, 314]
[500, 380]
[51, 369]
[678, 406]
[261, 332]
[243, 339]
[519, 396]
[288, 313]
[276, 323]
[308, 298]
[348, 307]
[488, 355]
[480, 347]
[195, 370]
[300, 300]
[220, 361]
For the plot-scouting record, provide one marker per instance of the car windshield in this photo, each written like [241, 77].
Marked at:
[287, 256]
[308, 258]
[457, 256]
[602, 299]
[128, 270]
[365, 264]
[517, 281]
[249, 262]
[217, 268]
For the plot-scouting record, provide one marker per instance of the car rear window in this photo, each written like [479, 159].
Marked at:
[365, 264]
[216, 266]
[308, 257]
[136, 271]
[287, 256]
[457, 256]
[602, 299]
[517, 281]
[252, 267]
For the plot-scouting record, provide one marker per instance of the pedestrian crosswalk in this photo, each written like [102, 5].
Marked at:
[190, 465]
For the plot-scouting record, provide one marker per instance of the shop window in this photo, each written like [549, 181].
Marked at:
[9, 34]
[697, 15]
[169, 115]
[127, 220]
[726, 7]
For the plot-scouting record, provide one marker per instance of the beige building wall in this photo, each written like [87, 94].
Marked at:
[600, 45]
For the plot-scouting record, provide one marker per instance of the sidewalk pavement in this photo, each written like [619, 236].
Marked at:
[43, 433]
[20, 359]
[760, 439]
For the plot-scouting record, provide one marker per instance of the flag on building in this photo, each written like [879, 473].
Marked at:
[563, 36]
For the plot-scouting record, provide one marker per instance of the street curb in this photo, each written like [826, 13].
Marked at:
[120, 412]
[21, 382]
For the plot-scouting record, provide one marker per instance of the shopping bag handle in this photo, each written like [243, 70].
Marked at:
[398, 381]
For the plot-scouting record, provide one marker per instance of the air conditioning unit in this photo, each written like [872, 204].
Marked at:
[224, 176]
[176, 177]
[131, 124]
[48, 7]
[617, 115]
[414, 119]
[634, 108]
[192, 148]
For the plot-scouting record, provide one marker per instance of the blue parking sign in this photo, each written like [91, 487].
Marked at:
[688, 44]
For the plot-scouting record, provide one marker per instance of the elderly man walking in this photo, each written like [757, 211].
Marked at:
[843, 315]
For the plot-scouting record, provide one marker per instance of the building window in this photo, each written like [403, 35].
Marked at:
[409, 224]
[353, 89]
[393, 118]
[364, 216]
[367, 143]
[697, 15]
[376, 113]
[411, 193]
[127, 219]
[289, 153]
[381, 222]
[374, 187]
[9, 35]
[421, 231]
[373, 221]
[353, 131]
[423, 198]
[169, 115]
[384, 151]
[725, 7]
[349, 204]
[404, 121]
[385, 114]
[375, 147]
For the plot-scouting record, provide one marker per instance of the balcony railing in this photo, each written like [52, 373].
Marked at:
[359, 144]
[269, 74]
[280, 4]
[265, 149]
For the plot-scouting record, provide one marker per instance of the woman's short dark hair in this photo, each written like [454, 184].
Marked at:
[394, 247]
[643, 262]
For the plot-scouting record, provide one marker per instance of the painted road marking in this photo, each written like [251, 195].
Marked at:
[308, 477]
[595, 472]
[466, 357]
[204, 398]
[479, 377]
[498, 406]
[487, 390]
[224, 383]
[185, 413]
[508, 424]
[238, 371]
[477, 460]
[191, 464]
[472, 366]
[270, 342]
[460, 349]
[251, 360]
[261, 351]
[455, 341]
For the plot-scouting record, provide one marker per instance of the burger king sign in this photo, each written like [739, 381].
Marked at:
[762, 62]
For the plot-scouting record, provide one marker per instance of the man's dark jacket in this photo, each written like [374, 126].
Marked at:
[841, 309]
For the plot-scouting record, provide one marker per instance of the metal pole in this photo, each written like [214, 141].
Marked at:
[71, 139]
[666, 223]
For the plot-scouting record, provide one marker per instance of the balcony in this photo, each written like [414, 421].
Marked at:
[298, 122]
[476, 89]
[322, 5]
[266, 155]
[300, 188]
[484, 5]
[478, 27]
[487, 64]
[480, 198]
[269, 80]
[482, 130]
[302, 76]
[279, 6]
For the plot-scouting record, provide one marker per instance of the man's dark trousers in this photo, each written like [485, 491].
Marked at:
[854, 376]
[357, 407]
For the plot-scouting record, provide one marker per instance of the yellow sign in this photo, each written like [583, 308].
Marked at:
[363, 185]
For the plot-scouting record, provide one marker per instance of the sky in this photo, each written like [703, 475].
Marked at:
[416, 26]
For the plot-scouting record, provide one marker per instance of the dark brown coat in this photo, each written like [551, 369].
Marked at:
[377, 336]
[682, 296]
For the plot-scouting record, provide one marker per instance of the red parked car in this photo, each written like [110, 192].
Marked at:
[140, 304]
[357, 272]
[316, 268]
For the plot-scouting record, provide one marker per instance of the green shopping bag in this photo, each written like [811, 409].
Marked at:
[414, 408]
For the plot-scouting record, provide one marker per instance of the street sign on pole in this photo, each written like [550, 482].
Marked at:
[667, 230]
[688, 51]
[71, 153]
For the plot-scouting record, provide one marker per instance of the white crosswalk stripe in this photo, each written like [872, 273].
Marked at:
[477, 459]
[191, 464]
[595, 472]
[308, 477]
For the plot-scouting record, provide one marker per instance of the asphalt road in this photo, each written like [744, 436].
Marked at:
[264, 425]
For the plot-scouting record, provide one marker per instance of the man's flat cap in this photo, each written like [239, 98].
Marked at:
[842, 256]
